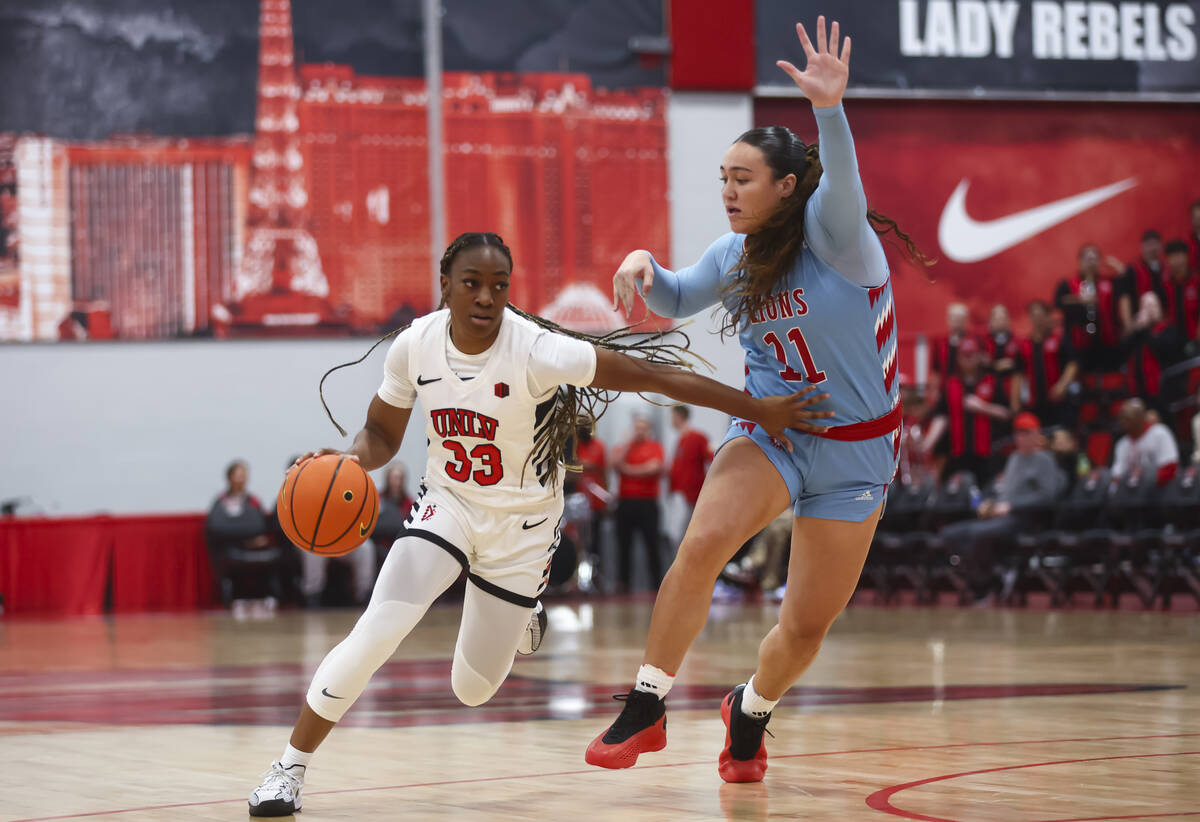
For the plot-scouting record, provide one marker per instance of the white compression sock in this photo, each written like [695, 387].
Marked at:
[754, 705]
[654, 681]
[294, 756]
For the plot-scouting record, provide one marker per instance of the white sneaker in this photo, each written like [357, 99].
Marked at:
[279, 793]
[531, 640]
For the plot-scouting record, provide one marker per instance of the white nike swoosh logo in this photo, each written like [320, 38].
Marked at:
[968, 241]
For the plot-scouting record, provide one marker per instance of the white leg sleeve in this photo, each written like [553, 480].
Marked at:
[413, 576]
[487, 642]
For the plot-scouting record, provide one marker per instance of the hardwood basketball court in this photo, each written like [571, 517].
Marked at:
[932, 714]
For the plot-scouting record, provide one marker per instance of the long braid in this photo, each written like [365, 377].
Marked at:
[575, 406]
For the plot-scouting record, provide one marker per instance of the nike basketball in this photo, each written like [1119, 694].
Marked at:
[328, 505]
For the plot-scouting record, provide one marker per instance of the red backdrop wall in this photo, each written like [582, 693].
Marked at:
[1017, 156]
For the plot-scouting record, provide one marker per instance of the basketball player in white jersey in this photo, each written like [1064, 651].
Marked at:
[497, 422]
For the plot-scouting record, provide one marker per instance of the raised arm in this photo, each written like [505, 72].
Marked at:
[835, 218]
[618, 372]
[675, 293]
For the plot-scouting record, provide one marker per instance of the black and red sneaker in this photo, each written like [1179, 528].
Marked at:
[641, 728]
[744, 758]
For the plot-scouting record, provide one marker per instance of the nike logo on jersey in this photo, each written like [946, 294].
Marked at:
[325, 692]
[526, 526]
[965, 240]
[421, 381]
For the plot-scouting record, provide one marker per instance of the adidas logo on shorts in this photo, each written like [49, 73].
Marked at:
[864, 497]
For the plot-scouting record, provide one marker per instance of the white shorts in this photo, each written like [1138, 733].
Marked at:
[505, 553]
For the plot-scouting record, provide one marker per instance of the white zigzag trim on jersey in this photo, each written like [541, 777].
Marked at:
[889, 359]
[884, 313]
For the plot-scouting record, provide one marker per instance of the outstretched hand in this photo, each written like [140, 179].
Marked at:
[792, 411]
[825, 74]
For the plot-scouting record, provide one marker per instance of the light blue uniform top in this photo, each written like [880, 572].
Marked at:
[830, 323]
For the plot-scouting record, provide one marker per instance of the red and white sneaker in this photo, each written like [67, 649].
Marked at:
[641, 728]
[744, 758]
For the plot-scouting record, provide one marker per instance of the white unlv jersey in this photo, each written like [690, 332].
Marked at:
[481, 430]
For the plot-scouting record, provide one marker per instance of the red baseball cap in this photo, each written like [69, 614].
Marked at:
[1026, 422]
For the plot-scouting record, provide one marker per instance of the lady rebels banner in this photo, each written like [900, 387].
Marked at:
[1003, 194]
[1009, 46]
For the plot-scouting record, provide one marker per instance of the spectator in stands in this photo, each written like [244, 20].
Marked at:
[945, 349]
[916, 457]
[395, 505]
[1001, 347]
[639, 463]
[1148, 447]
[1196, 432]
[1181, 297]
[1089, 305]
[1144, 275]
[968, 408]
[765, 562]
[1073, 462]
[1031, 481]
[1151, 346]
[593, 482]
[1047, 368]
[244, 558]
[1194, 238]
[690, 463]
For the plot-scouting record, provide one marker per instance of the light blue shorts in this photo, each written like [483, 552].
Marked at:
[827, 479]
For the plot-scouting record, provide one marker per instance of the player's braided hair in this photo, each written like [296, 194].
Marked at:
[769, 252]
[575, 407]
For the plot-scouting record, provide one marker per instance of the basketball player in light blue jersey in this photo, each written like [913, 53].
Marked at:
[806, 283]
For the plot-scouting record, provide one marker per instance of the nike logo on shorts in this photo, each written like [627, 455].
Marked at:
[526, 526]
[421, 381]
[325, 692]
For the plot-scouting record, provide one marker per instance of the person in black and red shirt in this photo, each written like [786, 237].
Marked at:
[1151, 347]
[1089, 306]
[1194, 238]
[944, 356]
[1001, 347]
[1181, 295]
[968, 408]
[1046, 367]
[1143, 275]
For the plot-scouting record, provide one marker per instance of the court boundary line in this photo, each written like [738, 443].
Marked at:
[595, 770]
[881, 800]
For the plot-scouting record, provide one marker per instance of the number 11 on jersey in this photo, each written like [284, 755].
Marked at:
[806, 359]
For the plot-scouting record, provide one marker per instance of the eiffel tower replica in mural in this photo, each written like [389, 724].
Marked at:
[279, 282]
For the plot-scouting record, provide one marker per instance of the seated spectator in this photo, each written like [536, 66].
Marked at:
[690, 463]
[1073, 462]
[1148, 447]
[245, 560]
[395, 505]
[1031, 481]
[916, 458]
[966, 412]
[314, 569]
[1088, 302]
[1047, 367]
[1143, 276]
[766, 560]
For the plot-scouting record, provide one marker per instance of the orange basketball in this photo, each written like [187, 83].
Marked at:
[328, 505]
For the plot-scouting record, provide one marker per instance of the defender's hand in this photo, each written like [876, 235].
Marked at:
[825, 74]
[635, 269]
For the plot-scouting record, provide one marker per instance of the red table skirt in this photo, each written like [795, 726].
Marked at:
[65, 565]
